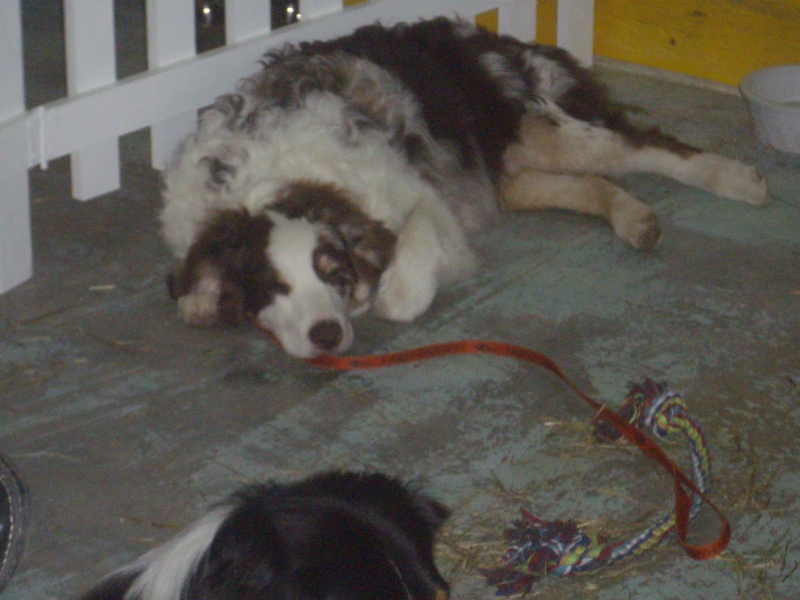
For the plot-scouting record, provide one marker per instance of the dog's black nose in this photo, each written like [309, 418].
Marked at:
[326, 335]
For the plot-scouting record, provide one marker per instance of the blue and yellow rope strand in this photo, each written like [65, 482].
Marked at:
[539, 548]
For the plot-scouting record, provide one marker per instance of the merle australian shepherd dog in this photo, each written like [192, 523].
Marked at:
[335, 536]
[347, 175]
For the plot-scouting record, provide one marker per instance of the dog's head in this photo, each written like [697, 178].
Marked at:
[333, 536]
[302, 268]
[343, 536]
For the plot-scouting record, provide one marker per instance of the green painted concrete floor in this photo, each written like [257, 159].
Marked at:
[127, 423]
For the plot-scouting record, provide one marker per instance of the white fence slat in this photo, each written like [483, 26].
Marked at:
[194, 83]
[15, 153]
[99, 109]
[12, 100]
[165, 137]
[575, 29]
[170, 32]
[390, 12]
[170, 40]
[16, 256]
[91, 63]
[164, 93]
[311, 9]
[245, 19]
[518, 19]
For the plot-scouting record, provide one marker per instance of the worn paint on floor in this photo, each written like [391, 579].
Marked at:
[127, 423]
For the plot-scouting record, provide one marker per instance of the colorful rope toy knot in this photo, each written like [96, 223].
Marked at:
[538, 548]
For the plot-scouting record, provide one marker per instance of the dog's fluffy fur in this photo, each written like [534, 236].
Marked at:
[347, 174]
[334, 536]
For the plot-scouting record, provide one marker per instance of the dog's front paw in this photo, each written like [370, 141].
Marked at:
[402, 296]
[738, 181]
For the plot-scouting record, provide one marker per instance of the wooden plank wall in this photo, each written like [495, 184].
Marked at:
[719, 40]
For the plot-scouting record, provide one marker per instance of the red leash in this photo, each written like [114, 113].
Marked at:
[684, 486]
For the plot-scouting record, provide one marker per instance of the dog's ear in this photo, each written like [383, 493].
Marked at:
[431, 511]
[230, 250]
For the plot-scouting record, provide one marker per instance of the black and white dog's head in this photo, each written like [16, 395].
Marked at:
[334, 536]
[302, 268]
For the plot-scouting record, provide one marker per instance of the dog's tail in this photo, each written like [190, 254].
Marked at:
[164, 572]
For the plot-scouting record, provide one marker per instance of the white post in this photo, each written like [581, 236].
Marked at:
[245, 19]
[311, 9]
[518, 19]
[575, 29]
[16, 257]
[91, 63]
[170, 39]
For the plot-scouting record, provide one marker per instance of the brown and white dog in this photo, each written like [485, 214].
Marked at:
[347, 175]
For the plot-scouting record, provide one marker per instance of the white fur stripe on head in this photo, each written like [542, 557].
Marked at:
[166, 569]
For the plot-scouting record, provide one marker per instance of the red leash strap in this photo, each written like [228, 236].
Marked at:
[684, 487]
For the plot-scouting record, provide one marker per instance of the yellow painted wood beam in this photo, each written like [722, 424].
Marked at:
[488, 20]
[546, 21]
[720, 40]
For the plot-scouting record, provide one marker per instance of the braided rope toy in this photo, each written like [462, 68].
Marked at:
[649, 405]
[538, 548]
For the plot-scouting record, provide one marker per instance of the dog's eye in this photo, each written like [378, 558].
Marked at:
[340, 277]
[333, 266]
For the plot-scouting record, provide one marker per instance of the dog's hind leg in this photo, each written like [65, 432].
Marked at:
[552, 140]
[632, 220]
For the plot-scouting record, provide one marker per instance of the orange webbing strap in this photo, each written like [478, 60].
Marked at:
[684, 487]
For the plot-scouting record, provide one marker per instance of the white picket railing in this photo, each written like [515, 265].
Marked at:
[87, 123]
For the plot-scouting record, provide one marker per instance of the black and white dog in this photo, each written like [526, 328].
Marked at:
[335, 536]
[347, 175]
